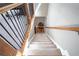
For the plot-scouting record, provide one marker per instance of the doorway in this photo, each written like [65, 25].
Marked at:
[39, 28]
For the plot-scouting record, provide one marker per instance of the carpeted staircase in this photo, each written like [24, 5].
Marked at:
[41, 45]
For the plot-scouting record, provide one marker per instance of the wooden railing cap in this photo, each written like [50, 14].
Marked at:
[9, 7]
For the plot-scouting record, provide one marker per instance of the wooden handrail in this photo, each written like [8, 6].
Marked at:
[62, 28]
[65, 28]
[9, 7]
[27, 34]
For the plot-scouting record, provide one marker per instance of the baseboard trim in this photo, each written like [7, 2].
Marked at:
[64, 52]
[30, 40]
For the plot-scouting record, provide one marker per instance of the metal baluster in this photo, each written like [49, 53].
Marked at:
[14, 26]
[23, 14]
[20, 16]
[16, 23]
[8, 32]
[19, 22]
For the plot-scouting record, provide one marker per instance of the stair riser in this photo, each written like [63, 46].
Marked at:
[44, 53]
[41, 43]
[42, 46]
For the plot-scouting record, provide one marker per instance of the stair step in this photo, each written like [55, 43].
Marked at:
[43, 52]
[42, 46]
[42, 43]
[40, 40]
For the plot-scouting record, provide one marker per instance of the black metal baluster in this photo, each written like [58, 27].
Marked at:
[18, 14]
[16, 23]
[9, 33]
[23, 14]
[21, 17]
[14, 27]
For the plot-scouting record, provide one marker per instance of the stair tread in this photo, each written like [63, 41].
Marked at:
[52, 52]
[41, 42]
[51, 48]
[42, 46]
[41, 38]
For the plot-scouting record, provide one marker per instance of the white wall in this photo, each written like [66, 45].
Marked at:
[38, 20]
[42, 10]
[36, 5]
[64, 15]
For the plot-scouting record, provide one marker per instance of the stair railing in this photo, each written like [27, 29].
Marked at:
[69, 28]
[13, 20]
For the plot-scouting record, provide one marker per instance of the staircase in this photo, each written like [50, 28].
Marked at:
[41, 45]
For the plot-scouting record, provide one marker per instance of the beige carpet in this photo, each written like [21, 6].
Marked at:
[41, 45]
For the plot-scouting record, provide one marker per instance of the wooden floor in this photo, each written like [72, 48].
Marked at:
[41, 45]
